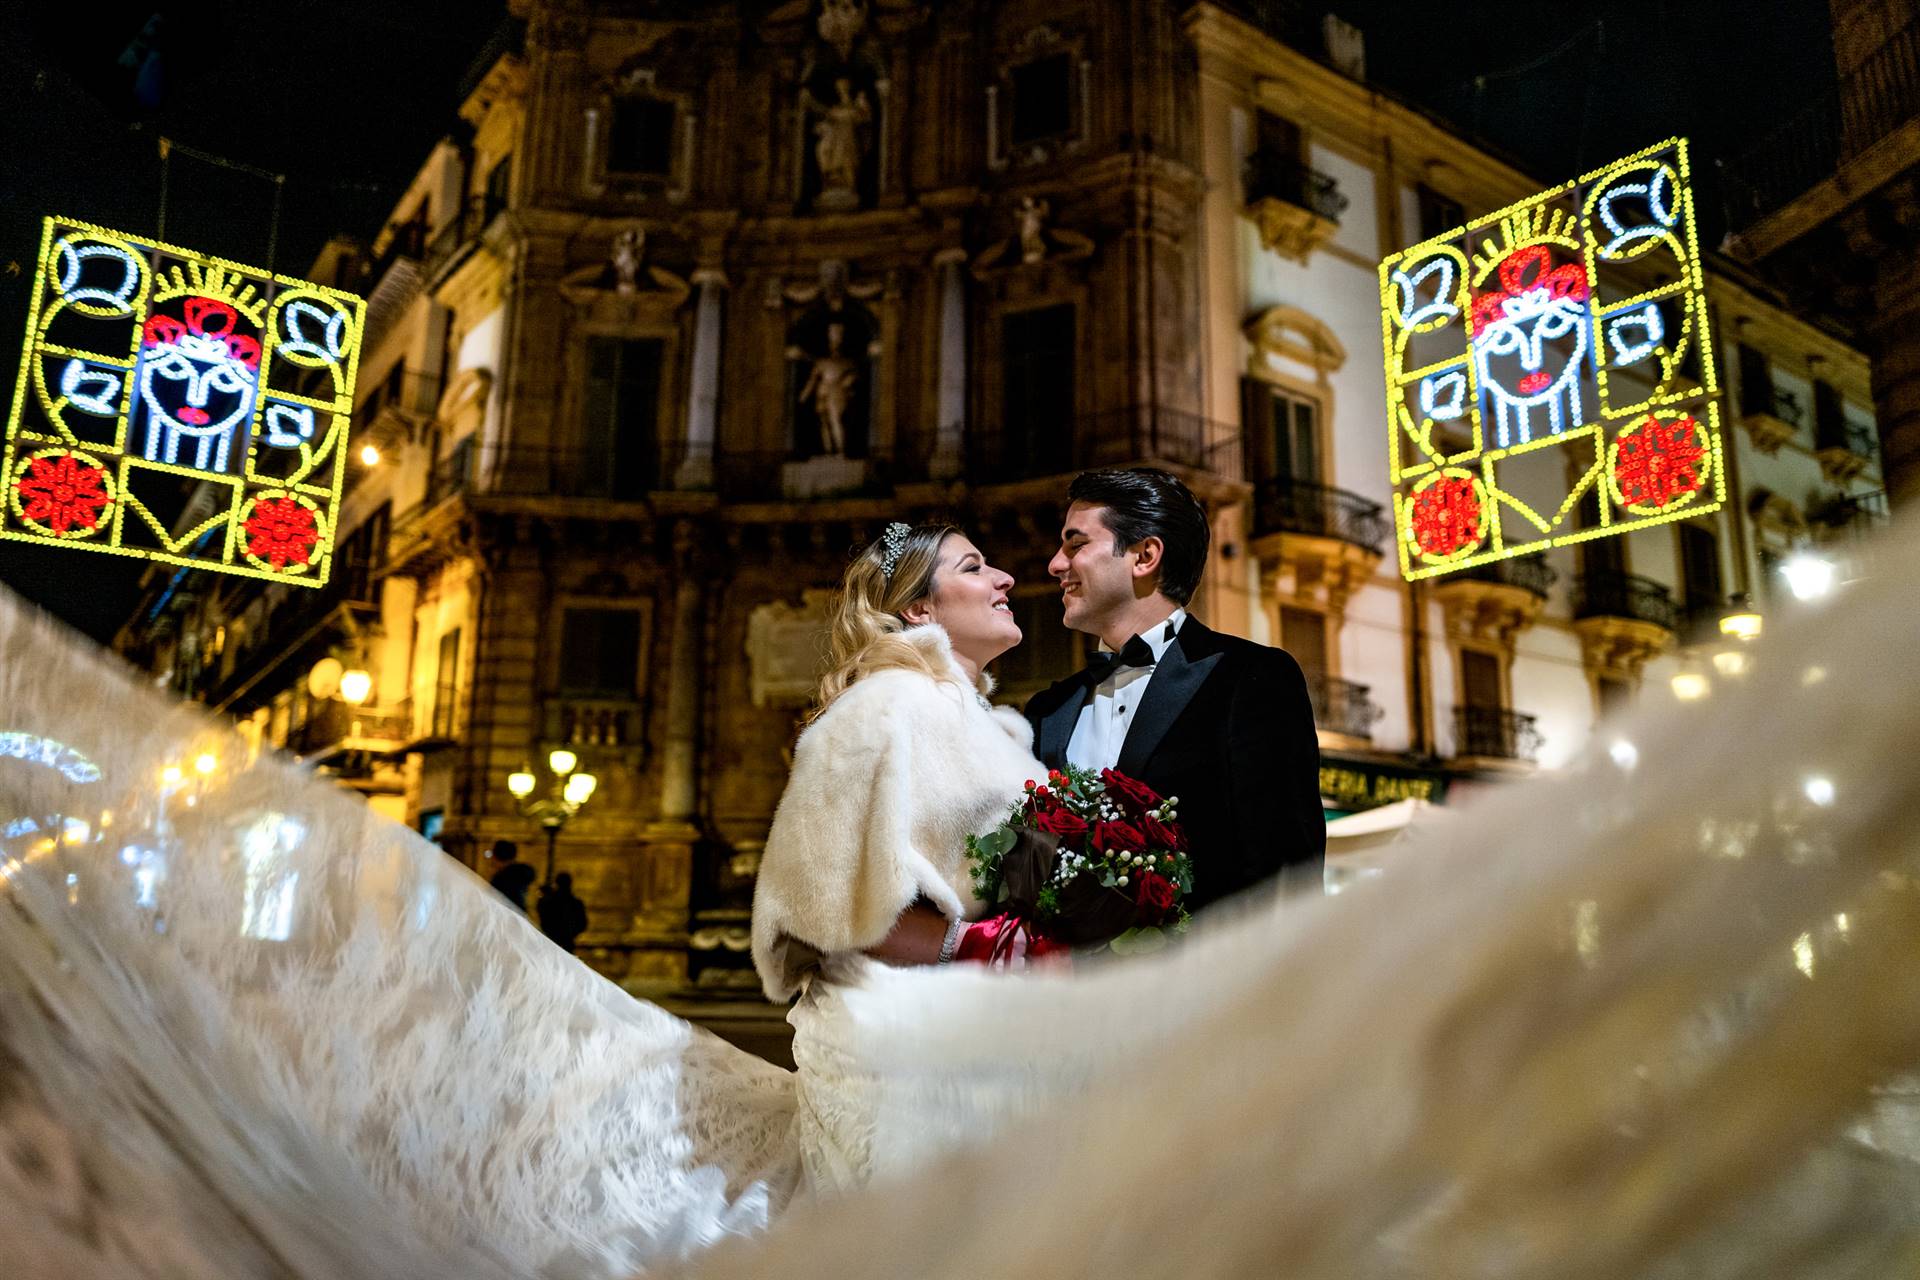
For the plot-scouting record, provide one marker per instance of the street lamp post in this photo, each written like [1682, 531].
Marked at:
[566, 792]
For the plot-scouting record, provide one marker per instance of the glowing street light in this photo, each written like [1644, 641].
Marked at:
[355, 686]
[568, 791]
[369, 455]
[1741, 620]
[1808, 576]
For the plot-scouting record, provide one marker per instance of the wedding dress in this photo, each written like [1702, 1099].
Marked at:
[1652, 1016]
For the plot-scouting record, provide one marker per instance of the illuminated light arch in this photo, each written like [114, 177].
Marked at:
[146, 363]
[1559, 332]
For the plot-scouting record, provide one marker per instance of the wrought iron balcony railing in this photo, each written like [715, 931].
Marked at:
[1277, 175]
[1529, 573]
[1495, 733]
[1873, 100]
[1857, 438]
[1625, 595]
[1342, 706]
[1851, 513]
[336, 727]
[1286, 505]
[454, 240]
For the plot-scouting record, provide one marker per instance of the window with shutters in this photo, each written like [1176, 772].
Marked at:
[600, 651]
[1303, 633]
[1480, 681]
[1036, 413]
[640, 137]
[620, 424]
[446, 675]
[1042, 99]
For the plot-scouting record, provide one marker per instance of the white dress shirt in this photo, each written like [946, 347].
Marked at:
[1108, 712]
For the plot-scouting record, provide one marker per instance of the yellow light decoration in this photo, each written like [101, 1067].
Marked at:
[146, 364]
[1570, 326]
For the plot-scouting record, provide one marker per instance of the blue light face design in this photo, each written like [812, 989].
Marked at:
[197, 379]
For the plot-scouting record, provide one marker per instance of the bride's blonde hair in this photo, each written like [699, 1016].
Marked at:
[869, 634]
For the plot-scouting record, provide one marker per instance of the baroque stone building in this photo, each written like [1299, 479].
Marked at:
[705, 294]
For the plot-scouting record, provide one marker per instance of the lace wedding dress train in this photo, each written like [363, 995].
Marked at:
[1652, 1016]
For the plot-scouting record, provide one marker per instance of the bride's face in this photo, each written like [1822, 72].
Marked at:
[970, 602]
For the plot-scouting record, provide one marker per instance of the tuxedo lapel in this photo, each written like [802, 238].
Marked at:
[1176, 678]
[1056, 729]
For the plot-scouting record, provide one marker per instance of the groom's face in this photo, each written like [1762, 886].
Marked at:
[1095, 584]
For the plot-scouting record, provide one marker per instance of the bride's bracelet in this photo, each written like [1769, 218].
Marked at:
[955, 932]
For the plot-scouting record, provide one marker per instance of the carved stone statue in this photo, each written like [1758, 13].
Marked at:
[830, 388]
[839, 145]
[629, 247]
[1033, 228]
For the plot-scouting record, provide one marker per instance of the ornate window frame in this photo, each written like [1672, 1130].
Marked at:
[639, 83]
[1037, 43]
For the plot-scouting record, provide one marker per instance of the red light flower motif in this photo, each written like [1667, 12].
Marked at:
[1446, 517]
[281, 532]
[62, 493]
[1658, 461]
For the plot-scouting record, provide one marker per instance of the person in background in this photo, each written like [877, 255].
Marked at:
[512, 877]
[563, 917]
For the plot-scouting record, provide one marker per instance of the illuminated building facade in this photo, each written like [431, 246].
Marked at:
[703, 296]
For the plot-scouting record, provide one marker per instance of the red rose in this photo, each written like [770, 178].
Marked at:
[1130, 793]
[1162, 835]
[1064, 823]
[1155, 895]
[1121, 837]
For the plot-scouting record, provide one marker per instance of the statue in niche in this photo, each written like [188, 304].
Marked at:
[629, 247]
[830, 389]
[1033, 228]
[831, 346]
[841, 142]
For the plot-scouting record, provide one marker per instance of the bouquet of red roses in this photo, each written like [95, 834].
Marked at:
[1087, 859]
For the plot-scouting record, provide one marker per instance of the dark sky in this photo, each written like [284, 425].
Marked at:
[346, 96]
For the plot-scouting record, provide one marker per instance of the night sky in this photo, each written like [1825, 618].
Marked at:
[345, 97]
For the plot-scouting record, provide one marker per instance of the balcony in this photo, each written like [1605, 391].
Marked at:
[1625, 595]
[1849, 516]
[1316, 544]
[1875, 100]
[1771, 418]
[338, 729]
[1286, 505]
[1844, 449]
[577, 721]
[1296, 208]
[398, 406]
[1495, 734]
[1342, 707]
[1496, 600]
[1622, 620]
[394, 279]
[457, 238]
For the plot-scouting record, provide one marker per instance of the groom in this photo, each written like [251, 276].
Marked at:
[1220, 722]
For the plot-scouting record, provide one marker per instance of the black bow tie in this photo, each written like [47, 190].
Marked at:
[1135, 653]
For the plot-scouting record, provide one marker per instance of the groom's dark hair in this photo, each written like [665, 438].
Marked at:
[1146, 502]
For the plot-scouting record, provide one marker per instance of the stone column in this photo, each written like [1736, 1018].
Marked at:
[951, 425]
[664, 882]
[703, 392]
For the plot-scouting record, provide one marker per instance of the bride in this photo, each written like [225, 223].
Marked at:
[904, 758]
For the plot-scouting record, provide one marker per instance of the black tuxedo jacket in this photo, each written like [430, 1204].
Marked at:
[1225, 725]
